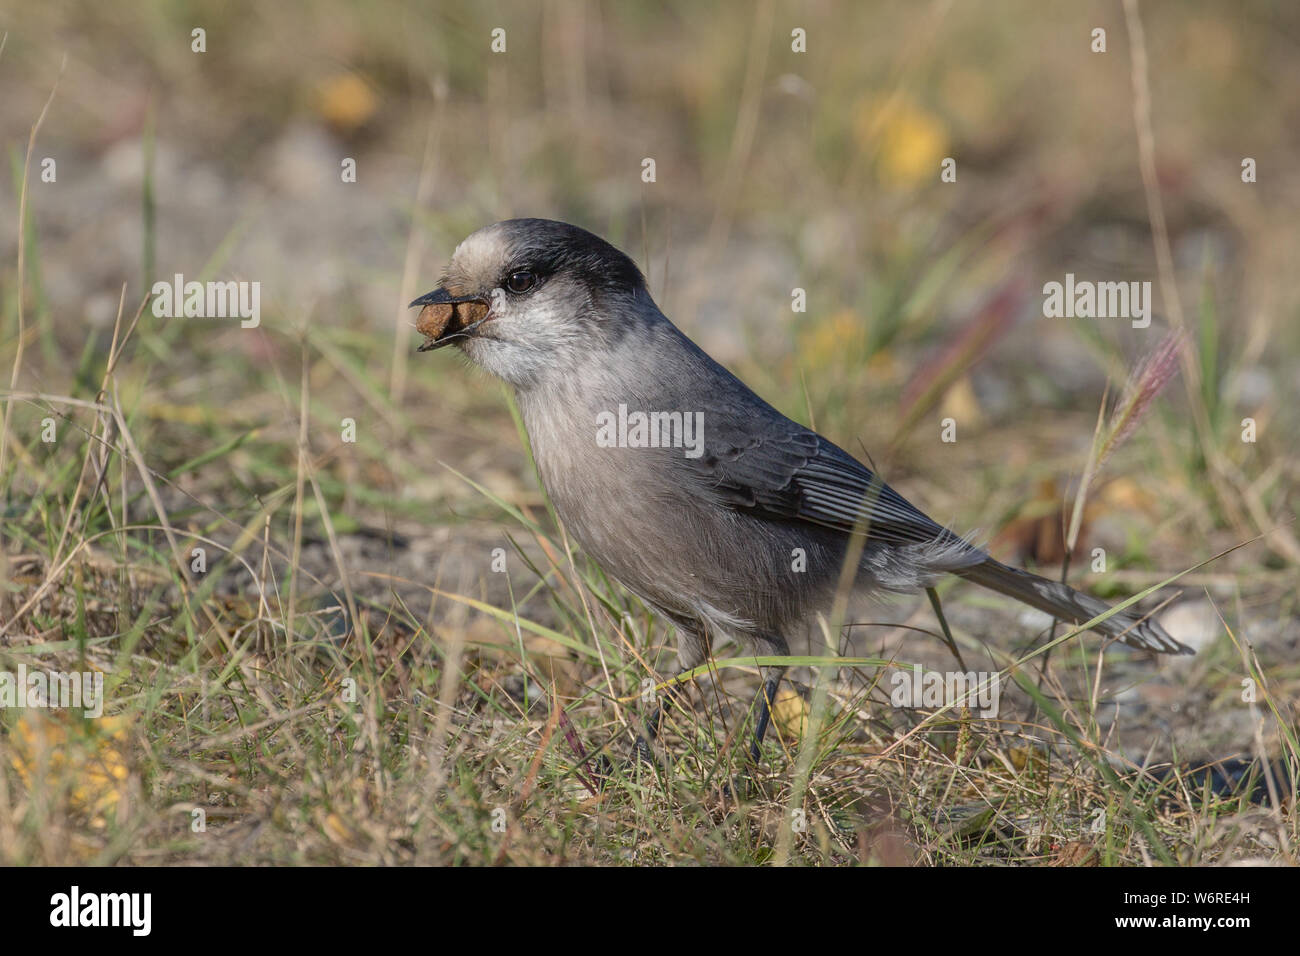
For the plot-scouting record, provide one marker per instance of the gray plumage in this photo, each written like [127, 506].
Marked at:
[707, 540]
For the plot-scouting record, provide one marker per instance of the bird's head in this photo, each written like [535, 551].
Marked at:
[528, 298]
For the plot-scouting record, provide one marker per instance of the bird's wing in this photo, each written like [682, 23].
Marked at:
[785, 471]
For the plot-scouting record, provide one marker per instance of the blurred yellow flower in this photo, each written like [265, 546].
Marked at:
[828, 341]
[908, 142]
[57, 753]
[345, 101]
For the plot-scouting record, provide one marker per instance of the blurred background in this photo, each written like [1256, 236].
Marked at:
[774, 169]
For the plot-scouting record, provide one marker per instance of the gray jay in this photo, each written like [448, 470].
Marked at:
[719, 512]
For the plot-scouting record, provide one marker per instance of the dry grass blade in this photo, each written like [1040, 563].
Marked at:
[22, 257]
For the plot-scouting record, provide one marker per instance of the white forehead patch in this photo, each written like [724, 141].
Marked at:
[477, 262]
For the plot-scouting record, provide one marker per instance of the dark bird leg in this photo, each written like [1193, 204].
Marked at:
[773, 645]
[765, 698]
[743, 783]
[692, 650]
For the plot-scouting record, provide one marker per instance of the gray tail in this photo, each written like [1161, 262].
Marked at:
[1063, 601]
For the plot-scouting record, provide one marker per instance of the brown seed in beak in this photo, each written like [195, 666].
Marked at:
[435, 321]
[470, 312]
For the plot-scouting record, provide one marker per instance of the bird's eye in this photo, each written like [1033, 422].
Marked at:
[521, 282]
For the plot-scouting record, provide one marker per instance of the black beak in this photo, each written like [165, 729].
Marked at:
[443, 297]
[455, 327]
